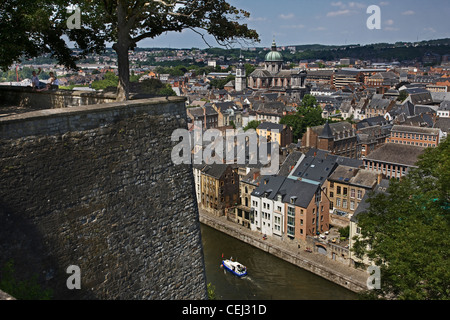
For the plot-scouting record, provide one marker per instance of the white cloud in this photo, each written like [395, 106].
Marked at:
[430, 29]
[384, 3]
[319, 29]
[357, 5]
[287, 16]
[391, 29]
[338, 13]
[408, 13]
[337, 4]
[257, 19]
[389, 22]
[293, 26]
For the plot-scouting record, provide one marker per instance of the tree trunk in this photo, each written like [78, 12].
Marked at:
[121, 47]
[123, 88]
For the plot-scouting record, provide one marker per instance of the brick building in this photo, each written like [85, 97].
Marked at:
[338, 138]
[219, 185]
[414, 136]
[393, 160]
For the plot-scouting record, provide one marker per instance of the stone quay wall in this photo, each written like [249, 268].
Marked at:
[94, 186]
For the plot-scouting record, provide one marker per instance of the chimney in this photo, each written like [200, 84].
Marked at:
[379, 178]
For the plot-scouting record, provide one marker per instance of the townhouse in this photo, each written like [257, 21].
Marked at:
[283, 207]
[346, 188]
[219, 188]
[355, 231]
[273, 132]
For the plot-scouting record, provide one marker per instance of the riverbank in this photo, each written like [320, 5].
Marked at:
[349, 278]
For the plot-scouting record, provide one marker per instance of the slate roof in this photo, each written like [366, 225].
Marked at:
[396, 153]
[319, 164]
[261, 73]
[444, 106]
[271, 126]
[336, 128]
[414, 129]
[271, 186]
[289, 163]
[378, 120]
[354, 176]
[327, 133]
[215, 170]
[443, 124]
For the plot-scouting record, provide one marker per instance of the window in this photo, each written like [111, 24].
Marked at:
[338, 190]
[359, 194]
[344, 203]
[352, 193]
[338, 202]
[352, 205]
[345, 192]
[331, 194]
[301, 222]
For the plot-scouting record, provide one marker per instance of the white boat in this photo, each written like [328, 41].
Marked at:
[235, 267]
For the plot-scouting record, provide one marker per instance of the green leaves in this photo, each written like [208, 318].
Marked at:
[309, 114]
[408, 231]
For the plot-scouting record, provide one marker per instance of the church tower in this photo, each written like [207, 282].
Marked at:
[241, 78]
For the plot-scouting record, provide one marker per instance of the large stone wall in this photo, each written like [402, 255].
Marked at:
[95, 187]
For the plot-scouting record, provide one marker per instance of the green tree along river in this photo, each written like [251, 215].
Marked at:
[269, 278]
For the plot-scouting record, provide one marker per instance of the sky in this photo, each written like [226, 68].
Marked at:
[328, 22]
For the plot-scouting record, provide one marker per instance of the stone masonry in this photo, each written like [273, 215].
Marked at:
[94, 186]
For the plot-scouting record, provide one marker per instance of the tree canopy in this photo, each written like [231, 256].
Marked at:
[309, 114]
[406, 232]
[31, 28]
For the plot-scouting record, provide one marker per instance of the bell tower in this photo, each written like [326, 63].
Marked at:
[241, 78]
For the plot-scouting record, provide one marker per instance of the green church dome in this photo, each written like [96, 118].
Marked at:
[274, 55]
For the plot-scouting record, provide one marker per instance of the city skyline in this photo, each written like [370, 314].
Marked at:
[297, 22]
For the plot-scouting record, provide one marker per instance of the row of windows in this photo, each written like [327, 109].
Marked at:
[343, 203]
[413, 136]
[344, 191]
[388, 167]
[412, 143]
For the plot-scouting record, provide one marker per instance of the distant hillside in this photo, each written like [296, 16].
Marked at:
[400, 51]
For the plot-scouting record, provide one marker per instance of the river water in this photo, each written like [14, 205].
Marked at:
[269, 278]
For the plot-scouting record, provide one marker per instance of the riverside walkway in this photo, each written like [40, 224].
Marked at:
[348, 277]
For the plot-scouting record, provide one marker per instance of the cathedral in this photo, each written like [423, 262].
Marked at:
[273, 78]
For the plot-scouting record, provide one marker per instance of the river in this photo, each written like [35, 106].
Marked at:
[269, 278]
